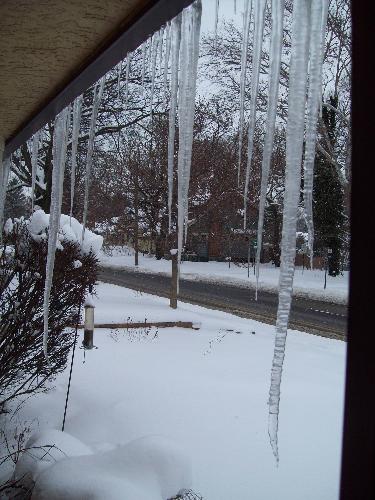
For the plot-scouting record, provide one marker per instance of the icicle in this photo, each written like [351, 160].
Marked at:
[77, 110]
[98, 92]
[34, 166]
[166, 60]
[259, 9]
[128, 62]
[144, 47]
[189, 51]
[119, 71]
[60, 136]
[217, 2]
[273, 87]
[175, 33]
[4, 177]
[235, 7]
[154, 53]
[244, 51]
[161, 43]
[313, 104]
[294, 146]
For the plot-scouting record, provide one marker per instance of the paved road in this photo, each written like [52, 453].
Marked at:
[313, 316]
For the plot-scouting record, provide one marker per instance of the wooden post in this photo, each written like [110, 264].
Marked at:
[136, 216]
[88, 335]
[173, 296]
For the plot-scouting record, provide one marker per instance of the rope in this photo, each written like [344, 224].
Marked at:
[71, 364]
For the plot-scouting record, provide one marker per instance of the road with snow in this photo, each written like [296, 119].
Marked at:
[308, 315]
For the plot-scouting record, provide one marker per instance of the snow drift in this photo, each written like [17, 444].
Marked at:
[148, 468]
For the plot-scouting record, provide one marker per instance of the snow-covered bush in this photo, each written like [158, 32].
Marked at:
[56, 466]
[23, 369]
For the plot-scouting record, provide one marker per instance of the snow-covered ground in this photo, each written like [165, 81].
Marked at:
[306, 283]
[206, 390]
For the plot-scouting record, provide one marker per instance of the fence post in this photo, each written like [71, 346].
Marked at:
[88, 335]
[173, 296]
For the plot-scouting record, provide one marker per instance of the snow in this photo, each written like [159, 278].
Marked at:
[8, 226]
[149, 468]
[207, 391]
[89, 301]
[306, 283]
[45, 449]
[69, 230]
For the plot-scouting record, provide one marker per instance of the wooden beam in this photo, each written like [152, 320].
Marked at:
[143, 324]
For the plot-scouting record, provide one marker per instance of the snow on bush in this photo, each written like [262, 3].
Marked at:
[70, 230]
[148, 468]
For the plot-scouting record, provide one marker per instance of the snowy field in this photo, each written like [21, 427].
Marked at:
[306, 283]
[206, 390]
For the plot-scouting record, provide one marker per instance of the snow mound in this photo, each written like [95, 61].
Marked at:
[148, 468]
[44, 449]
[70, 230]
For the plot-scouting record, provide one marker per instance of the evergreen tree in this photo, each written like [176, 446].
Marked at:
[328, 201]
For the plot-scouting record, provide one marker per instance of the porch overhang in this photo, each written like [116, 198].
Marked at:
[53, 50]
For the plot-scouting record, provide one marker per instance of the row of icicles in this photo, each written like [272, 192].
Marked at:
[180, 39]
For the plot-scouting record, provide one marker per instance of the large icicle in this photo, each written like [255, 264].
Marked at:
[98, 92]
[127, 75]
[161, 44]
[60, 137]
[154, 54]
[259, 9]
[119, 71]
[294, 146]
[166, 60]
[317, 33]
[244, 51]
[190, 31]
[217, 5]
[273, 87]
[175, 47]
[34, 166]
[144, 48]
[77, 110]
[4, 177]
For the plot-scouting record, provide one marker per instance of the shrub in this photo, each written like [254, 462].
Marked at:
[23, 368]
